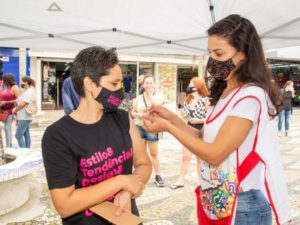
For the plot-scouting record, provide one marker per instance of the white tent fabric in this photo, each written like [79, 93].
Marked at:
[142, 26]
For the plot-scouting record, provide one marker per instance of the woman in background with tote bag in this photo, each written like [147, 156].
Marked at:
[7, 101]
[23, 117]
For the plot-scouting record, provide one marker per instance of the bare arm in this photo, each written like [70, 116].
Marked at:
[15, 91]
[69, 201]
[226, 141]
[20, 106]
[142, 165]
[173, 118]
[134, 111]
[141, 160]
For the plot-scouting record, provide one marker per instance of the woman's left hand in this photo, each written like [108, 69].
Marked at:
[154, 123]
[123, 202]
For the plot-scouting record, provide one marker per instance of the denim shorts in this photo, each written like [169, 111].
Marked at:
[253, 209]
[151, 137]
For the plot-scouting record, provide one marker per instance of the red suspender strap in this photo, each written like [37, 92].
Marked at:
[271, 201]
[247, 165]
[209, 119]
[253, 158]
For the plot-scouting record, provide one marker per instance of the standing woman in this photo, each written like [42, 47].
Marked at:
[241, 172]
[23, 117]
[288, 94]
[148, 98]
[89, 155]
[194, 112]
[8, 99]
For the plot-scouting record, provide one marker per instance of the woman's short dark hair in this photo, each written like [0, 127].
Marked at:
[9, 80]
[93, 62]
[29, 81]
[242, 35]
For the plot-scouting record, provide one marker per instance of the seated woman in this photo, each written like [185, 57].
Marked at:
[89, 154]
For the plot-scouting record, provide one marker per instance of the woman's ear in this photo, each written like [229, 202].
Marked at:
[88, 84]
[240, 56]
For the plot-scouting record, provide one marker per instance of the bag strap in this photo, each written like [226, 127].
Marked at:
[145, 101]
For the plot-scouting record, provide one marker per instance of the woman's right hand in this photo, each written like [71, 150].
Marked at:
[133, 183]
[162, 112]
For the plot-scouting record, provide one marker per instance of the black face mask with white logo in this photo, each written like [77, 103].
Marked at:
[190, 90]
[110, 100]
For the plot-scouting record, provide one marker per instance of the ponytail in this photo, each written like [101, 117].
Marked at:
[29, 81]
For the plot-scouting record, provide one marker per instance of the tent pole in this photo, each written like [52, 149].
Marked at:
[211, 9]
[137, 74]
[201, 67]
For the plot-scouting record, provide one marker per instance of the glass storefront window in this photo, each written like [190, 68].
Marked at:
[53, 75]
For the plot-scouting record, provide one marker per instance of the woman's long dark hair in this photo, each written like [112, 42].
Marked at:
[242, 35]
[9, 80]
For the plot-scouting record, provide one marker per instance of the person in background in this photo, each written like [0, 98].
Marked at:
[241, 172]
[8, 99]
[194, 112]
[89, 155]
[1, 83]
[23, 117]
[69, 96]
[127, 82]
[140, 81]
[288, 94]
[147, 99]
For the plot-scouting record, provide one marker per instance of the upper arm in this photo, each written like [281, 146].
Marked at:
[232, 134]
[60, 164]
[140, 155]
[16, 91]
[60, 167]
[236, 127]
[59, 196]
[21, 104]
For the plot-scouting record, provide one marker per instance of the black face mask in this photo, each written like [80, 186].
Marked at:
[110, 100]
[190, 90]
[220, 70]
[22, 85]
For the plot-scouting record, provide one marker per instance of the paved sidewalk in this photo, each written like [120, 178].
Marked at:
[163, 206]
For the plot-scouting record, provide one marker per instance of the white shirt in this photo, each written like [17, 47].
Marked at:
[247, 104]
[26, 96]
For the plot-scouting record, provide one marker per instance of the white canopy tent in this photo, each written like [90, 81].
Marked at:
[140, 26]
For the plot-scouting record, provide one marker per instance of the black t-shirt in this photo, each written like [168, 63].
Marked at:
[86, 154]
[287, 100]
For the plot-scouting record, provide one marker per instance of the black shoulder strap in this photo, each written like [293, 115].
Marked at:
[145, 101]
